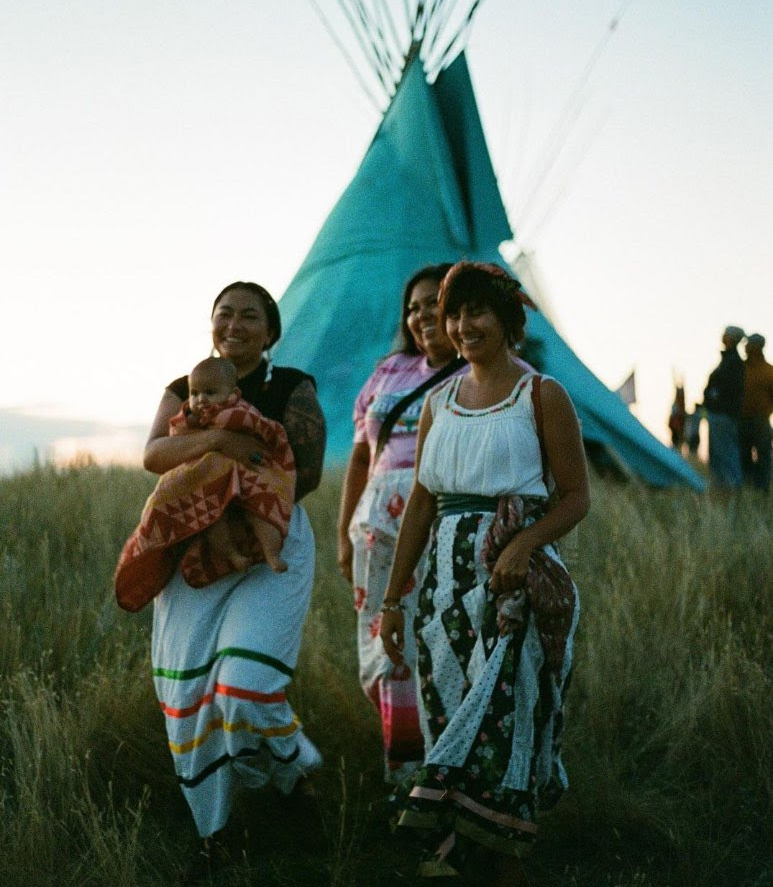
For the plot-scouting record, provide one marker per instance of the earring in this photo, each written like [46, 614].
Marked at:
[269, 367]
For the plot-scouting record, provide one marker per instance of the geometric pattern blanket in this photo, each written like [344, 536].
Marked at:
[191, 497]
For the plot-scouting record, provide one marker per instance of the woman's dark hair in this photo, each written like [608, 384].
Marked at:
[489, 286]
[266, 300]
[429, 272]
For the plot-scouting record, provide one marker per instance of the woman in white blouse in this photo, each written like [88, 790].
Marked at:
[496, 613]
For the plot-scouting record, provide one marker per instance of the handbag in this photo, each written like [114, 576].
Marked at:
[548, 587]
[567, 544]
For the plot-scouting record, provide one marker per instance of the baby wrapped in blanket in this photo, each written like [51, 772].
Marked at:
[236, 515]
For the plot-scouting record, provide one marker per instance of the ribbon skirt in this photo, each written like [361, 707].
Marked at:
[223, 657]
[493, 706]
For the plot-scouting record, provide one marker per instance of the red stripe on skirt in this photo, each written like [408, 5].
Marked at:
[222, 690]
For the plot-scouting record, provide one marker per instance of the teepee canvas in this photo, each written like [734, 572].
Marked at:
[425, 193]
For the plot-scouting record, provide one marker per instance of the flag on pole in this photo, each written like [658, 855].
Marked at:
[627, 391]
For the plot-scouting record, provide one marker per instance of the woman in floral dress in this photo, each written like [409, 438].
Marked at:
[374, 493]
[496, 613]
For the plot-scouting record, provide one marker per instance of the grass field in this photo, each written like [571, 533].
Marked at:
[668, 742]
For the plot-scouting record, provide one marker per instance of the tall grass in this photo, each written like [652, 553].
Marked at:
[667, 745]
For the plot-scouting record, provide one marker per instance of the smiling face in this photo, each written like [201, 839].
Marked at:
[476, 332]
[240, 329]
[483, 308]
[422, 321]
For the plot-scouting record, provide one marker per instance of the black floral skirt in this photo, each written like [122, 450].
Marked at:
[491, 709]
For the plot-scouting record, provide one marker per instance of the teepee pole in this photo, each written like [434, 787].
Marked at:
[366, 45]
[347, 58]
[570, 114]
[391, 38]
[452, 47]
[372, 29]
[438, 22]
[435, 30]
[421, 20]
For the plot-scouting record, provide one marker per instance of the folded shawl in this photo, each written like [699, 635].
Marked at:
[548, 587]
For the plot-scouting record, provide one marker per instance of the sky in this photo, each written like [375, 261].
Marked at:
[153, 151]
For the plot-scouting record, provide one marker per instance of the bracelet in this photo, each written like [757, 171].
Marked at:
[392, 608]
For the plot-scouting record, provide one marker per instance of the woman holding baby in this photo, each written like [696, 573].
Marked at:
[223, 655]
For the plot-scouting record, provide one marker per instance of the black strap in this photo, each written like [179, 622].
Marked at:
[399, 408]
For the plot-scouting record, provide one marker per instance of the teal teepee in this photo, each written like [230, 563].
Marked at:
[425, 193]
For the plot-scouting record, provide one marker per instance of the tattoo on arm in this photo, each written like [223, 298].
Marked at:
[305, 426]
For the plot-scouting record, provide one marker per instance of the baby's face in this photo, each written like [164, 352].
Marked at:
[206, 387]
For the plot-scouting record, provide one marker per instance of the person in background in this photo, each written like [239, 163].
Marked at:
[722, 399]
[676, 419]
[757, 406]
[376, 486]
[692, 429]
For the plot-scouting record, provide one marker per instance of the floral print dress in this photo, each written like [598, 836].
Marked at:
[373, 531]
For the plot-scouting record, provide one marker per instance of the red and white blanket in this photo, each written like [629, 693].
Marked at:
[191, 497]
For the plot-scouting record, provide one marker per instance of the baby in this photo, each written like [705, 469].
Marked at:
[212, 387]
[212, 515]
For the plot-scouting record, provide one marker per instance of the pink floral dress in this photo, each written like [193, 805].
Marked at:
[373, 531]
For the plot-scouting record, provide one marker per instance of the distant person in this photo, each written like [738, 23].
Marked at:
[238, 515]
[692, 429]
[722, 398]
[754, 424]
[676, 419]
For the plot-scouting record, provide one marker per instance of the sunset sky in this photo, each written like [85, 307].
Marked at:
[153, 151]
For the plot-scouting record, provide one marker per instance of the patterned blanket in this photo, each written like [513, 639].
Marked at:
[191, 497]
[548, 585]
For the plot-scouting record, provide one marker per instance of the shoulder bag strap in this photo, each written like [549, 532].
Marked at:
[536, 401]
[399, 408]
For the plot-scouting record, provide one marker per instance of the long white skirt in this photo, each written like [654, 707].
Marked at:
[392, 690]
[223, 657]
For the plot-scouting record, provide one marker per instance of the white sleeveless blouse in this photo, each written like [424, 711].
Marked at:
[490, 452]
